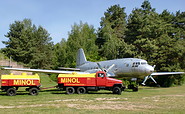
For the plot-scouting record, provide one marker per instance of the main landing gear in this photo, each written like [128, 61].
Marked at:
[133, 85]
[134, 88]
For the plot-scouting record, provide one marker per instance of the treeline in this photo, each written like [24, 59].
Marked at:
[157, 38]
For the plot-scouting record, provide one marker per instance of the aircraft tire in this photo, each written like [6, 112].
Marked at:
[33, 91]
[70, 90]
[135, 89]
[117, 90]
[11, 92]
[81, 90]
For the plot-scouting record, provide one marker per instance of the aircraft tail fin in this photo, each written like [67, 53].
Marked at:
[81, 59]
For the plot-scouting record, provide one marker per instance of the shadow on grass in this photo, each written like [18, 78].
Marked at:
[58, 91]
[18, 93]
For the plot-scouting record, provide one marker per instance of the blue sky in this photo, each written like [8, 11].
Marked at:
[57, 16]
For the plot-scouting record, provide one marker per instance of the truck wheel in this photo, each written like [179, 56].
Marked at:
[33, 91]
[81, 90]
[117, 90]
[11, 92]
[70, 90]
[16, 88]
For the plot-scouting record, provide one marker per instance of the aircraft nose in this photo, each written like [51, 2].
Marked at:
[149, 69]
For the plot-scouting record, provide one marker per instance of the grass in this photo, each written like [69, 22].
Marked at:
[146, 100]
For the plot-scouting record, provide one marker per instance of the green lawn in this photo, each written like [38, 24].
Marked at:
[146, 100]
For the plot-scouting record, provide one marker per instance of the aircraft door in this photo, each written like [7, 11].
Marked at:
[101, 79]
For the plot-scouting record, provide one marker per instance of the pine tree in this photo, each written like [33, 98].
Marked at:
[156, 39]
[29, 44]
[111, 34]
[81, 36]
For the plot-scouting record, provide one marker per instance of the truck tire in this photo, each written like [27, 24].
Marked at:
[70, 90]
[117, 90]
[11, 92]
[33, 91]
[81, 90]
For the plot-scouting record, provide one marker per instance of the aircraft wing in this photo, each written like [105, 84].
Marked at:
[44, 71]
[71, 69]
[159, 74]
[165, 73]
[109, 74]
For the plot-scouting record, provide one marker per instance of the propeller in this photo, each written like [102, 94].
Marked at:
[105, 70]
[149, 77]
[101, 67]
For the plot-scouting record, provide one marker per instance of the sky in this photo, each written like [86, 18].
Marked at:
[57, 16]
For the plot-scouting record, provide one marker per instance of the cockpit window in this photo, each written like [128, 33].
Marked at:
[136, 64]
[143, 63]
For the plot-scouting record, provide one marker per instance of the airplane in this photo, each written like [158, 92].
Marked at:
[125, 67]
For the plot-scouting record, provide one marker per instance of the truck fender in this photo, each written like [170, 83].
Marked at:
[118, 85]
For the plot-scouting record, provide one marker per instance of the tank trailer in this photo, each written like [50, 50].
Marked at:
[11, 83]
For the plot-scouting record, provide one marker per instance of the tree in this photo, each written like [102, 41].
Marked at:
[81, 36]
[60, 54]
[29, 44]
[155, 39]
[111, 34]
[19, 44]
[42, 55]
[142, 26]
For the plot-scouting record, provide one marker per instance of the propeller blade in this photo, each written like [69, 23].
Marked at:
[153, 79]
[101, 67]
[110, 67]
[146, 78]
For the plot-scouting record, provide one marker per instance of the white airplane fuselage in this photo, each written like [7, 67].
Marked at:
[127, 67]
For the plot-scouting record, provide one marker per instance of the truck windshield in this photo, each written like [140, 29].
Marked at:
[101, 75]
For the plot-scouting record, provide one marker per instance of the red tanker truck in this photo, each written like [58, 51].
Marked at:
[82, 83]
[11, 83]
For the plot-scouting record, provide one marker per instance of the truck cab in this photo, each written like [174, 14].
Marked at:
[103, 80]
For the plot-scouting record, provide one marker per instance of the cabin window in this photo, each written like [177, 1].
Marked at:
[127, 65]
[135, 64]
